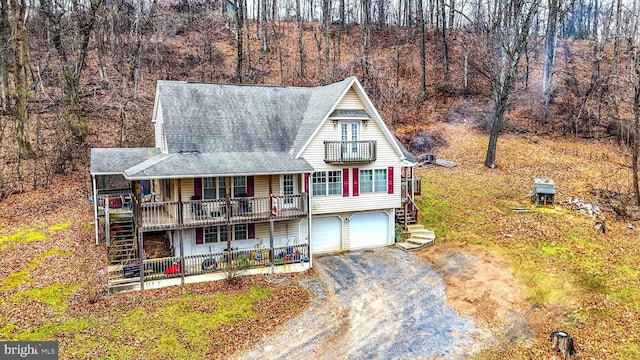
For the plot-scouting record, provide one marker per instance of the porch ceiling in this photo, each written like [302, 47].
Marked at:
[187, 165]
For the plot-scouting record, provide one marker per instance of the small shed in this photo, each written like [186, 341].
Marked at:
[543, 192]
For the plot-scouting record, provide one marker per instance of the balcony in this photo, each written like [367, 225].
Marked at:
[199, 213]
[349, 152]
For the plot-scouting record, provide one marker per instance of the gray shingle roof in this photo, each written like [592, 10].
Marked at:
[110, 161]
[220, 129]
[209, 118]
[322, 100]
[217, 164]
[407, 154]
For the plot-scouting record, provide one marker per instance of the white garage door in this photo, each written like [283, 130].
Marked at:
[369, 230]
[326, 234]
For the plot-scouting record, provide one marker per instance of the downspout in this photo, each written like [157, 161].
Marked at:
[95, 207]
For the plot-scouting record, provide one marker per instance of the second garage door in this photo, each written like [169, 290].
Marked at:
[369, 230]
[326, 234]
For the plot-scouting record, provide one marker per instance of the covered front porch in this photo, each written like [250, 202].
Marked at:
[176, 270]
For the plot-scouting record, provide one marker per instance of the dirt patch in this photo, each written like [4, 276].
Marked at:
[481, 284]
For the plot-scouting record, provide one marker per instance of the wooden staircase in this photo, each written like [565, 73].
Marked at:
[410, 216]
[419, 237]
[122, 247]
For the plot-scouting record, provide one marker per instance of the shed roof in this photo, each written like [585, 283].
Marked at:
[112, 161]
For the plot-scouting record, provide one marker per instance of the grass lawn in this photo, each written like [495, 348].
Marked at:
[575, 278]
[50, 276]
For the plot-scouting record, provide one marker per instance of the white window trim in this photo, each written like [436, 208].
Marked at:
[374, 190]
[326, 184]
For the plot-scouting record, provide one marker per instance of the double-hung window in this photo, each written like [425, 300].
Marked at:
[327, 183]
[215, 234]
[373, 181]
[216, 187]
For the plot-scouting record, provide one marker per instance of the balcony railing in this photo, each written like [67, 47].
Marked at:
[341, 152]
[196, 213]
[412, 183]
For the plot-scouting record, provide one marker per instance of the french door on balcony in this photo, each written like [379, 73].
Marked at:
[349, 135]
[289, 186]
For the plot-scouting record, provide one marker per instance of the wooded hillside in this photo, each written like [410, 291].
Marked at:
[81, 74]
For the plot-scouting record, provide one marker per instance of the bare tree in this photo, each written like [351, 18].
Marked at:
[5, 35]
[20, 50]
[264, 47]
[556, 12]
[505, 42]
[71, 29]
[423, 56]
[326, 24]
[239, 9]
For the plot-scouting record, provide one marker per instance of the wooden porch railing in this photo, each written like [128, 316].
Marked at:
[407, 183]
[171, 267]
[195, 213]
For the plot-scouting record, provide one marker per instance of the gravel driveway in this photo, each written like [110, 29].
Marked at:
[374, 304]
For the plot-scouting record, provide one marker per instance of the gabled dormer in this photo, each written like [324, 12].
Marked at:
[349, 148]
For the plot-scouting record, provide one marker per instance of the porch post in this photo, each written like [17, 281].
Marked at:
[406, 194]
[95, 206]
[181, 256]
[227, 196]
[271, 252]
[309, 207]
[140, 257]
[181, 222]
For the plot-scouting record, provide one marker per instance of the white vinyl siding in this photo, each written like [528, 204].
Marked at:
[350, 100]
[386, 157]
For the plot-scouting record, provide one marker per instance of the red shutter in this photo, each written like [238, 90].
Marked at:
[390, 180]
[199, 237]
[251, 231]
[356, 184]
[306, 183]
[197, 187]
[250, 186]
[345, 182]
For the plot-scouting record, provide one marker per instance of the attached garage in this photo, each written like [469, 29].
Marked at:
[326, 234]
[369, 230]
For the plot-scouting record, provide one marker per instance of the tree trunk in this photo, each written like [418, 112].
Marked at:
[326, 14]
[20, 50]
[550, 51]
[301, 49]
[264, 48]
[636, 137]
[239, 14]
[423, 56]
[445, 43]
[366, 8]
[498, 118]
[5, 35]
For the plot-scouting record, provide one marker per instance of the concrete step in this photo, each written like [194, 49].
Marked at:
[420, 241]
[423, 234]
[415, 227]
[408, 246]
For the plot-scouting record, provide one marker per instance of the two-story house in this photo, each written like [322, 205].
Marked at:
[269, 175]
